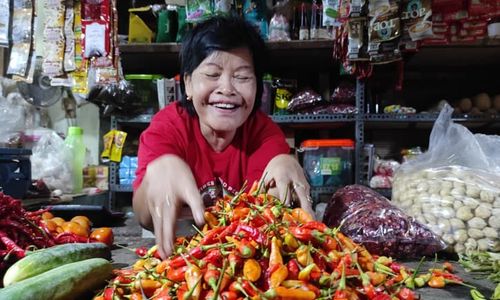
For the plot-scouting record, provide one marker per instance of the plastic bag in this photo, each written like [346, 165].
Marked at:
[51, 162]
[454, 187]
[12, 115]
[371, 220]
[303, 100]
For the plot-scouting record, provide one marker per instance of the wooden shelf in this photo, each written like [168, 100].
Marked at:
[163, 58]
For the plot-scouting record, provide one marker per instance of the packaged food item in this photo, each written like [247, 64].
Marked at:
[384, 29]
[279, 28]
[284, 90]
[167, 25]
[22, 19]
[304, 99]
[371, 220]
[5, 21]
[344, 93]
[198, 10]
[117, 147]
[107, 145]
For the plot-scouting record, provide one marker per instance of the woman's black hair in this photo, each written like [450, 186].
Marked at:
[221, 33]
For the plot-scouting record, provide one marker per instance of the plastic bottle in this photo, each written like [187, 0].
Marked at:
[74, 142]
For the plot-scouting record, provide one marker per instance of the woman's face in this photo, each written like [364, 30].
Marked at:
[223, 89]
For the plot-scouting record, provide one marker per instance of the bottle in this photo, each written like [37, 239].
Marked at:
[304, 24]
[314, 28]
[74, 142]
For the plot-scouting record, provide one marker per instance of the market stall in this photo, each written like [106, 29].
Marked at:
[390, 111]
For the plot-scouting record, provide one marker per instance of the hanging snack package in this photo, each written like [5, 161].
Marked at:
[454, 187]
[355, 30]
[357, 8]
[21, 38]
[53, 38]
[182, 25]
[371, 220]
[5, 22]
[384, 29]
[198, 10]
[96, 28]
[416, 17]
[69, 49]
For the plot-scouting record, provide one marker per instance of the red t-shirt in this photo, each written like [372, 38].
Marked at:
[174, 131]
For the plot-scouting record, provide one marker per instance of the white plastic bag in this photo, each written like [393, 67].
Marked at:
[50, 162]
[454, 188]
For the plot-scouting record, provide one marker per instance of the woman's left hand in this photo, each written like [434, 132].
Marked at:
[283, 174]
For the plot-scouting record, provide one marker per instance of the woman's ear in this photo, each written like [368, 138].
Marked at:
[188, 86]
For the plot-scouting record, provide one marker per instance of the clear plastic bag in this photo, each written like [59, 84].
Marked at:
[51, 162]
[12, 115]
[454, 188]
[371, 220]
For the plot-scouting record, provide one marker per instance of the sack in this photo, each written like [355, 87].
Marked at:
[371, 220]
[454, 188]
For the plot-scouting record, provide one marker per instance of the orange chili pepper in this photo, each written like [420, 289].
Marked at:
[301, 215]
[275, 257]
[136, 296]
[149, 286]
[294, 294]
[210, 219]
[437, 282]
[161, 267]
[278, 276]
[251, 270]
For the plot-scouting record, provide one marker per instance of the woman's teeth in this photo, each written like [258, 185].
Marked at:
[224, 105]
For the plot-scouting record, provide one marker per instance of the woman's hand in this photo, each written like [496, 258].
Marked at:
[283, 174]
[168, 183]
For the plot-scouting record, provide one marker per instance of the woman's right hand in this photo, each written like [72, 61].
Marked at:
[168, 183]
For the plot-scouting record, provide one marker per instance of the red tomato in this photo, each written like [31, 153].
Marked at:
[103, 235]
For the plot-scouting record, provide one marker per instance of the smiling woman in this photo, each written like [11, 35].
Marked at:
[214, 139]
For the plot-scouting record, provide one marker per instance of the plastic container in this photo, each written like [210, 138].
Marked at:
[328, 162]
[15, 171]
[74, 142]
[146, 89]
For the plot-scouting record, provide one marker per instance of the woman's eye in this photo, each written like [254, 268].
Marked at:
[242, 77]
[212, 75]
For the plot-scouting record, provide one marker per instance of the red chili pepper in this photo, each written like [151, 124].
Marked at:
[179, 261]
[234, 261]
[211, 276]
[293, 269]
[11, 246]
[69, 237]
[340, 295]
[395, 267]
[229, 295]
[212, 236]
[245, 284]
[268, 215]
[406, 294]
[108, 293]
[122, 279]
[254, 233]
[382, 297]
[176, 274]
[214, 257]
[301, 233]
[141, 251]
[227, 231]
[245, 249]
[315, 225]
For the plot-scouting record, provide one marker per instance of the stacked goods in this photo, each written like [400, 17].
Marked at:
[253, 247]
[481, 103]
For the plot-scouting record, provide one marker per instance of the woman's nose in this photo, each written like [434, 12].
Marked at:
[225, 86]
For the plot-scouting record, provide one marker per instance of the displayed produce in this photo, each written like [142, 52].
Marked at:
[454, 187]
[484, 264]
[43, 260]
[22, 231]
[68, 281]
[253, 247]
[372, 221]
[479, 104]
[383, 173]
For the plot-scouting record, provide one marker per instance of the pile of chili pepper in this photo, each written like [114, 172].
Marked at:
[19, 230]
[253, 247]
[22, 230]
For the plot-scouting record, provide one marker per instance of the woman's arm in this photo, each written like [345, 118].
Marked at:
[167, 183]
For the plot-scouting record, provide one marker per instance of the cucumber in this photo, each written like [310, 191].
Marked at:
[68, 281]
[46, 259]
